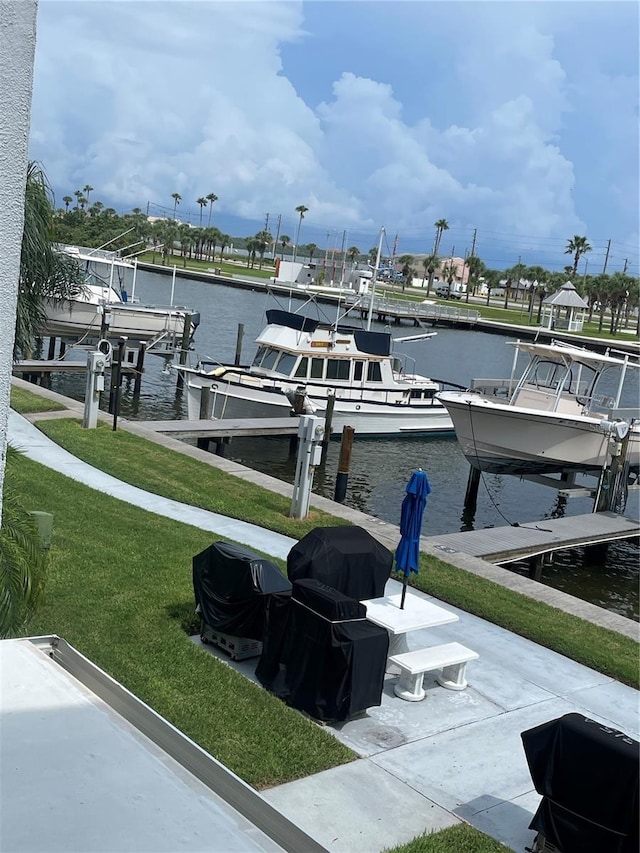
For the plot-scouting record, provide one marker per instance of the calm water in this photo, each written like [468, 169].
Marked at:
[380, 468]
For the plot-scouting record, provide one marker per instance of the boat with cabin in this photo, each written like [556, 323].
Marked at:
[104, 308]
[564, 413]
[300, 362]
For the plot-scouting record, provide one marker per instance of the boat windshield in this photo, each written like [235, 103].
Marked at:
[551, 375]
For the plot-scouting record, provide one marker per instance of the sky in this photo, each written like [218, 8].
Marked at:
[514, 121]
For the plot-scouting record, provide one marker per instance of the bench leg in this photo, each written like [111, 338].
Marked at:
[410, 687]
[453, 677]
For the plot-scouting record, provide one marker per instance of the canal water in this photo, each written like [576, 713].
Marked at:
[380, 468]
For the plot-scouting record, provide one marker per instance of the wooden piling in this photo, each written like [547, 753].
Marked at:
[137, 384]
[344, 464]
[240, 336]
[52, 349]
[471, 494]
[205, 403]
[328, 418]
[184, 348]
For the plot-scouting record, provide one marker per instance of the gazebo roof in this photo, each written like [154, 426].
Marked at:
[566, 297]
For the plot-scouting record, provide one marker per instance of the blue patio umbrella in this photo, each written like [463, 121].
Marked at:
[408, 550]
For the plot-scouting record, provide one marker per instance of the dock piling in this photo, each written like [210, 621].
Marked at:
[344, 464]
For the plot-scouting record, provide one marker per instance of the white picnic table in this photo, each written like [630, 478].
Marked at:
[417, 614]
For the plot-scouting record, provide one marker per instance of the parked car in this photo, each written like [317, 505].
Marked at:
[446, 291]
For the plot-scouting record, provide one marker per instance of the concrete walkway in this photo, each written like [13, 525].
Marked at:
[426, 765]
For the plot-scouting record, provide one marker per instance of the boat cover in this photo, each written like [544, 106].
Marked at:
[232, 586]
[587, 774]
[329, 668]
[346, 558]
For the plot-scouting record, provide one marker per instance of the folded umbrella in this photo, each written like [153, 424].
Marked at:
[407, 556]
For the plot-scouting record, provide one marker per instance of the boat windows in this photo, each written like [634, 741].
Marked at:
[317, 365]
[338, 368]
[301, 369]
[270, 358]
[374, 373]
[259, 356]
[358, 369]
[286, 363]
[422, 394]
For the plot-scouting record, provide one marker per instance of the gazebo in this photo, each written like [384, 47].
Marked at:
[565, 309]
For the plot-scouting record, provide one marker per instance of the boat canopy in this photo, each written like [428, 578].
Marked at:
[373, 343]
[560, 352]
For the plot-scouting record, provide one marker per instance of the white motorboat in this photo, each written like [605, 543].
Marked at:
[299, 357]
[102, 309]
[562, 414]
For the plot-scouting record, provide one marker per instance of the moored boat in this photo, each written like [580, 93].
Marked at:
[304, 360]
[102, 309]
[563, 413]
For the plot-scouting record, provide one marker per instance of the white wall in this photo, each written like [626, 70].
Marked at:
[17, 48]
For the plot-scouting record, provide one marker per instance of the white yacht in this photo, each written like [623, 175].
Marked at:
[563, 413]
[104, 307]
[299, 357]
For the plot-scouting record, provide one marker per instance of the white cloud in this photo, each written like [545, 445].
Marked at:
[144, 99]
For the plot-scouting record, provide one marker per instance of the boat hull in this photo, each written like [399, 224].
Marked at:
[501, 439]
[367, 418]
[76, 318]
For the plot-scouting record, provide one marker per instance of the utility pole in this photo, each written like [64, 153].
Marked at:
[275, 242]
[473, 243]
[266, 222]
[326, 251]
[606, 257]
[344, 256]
[626, 264]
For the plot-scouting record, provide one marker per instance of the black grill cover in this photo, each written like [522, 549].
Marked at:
[588, 776]
[326, 601]
[348, 559]
[232, 586]
[331, 669]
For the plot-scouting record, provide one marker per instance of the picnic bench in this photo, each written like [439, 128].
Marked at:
[451, 658]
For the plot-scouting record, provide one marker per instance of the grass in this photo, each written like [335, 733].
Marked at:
[460, 839]
[239, 269]
[168, 473]
[119, 589]
[26, 403]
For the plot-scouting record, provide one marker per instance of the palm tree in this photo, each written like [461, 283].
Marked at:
[406, 261]
[211, 198]
[67, 201]
[476, 267]
[77, 194]
[431, 264]
[225, 240]
[441, 226]
[311, 250]
[252, 247]
[353, 252]
[202, 201]
[577, 246]
[262, 239]
[301, 209]
[87, 189]
[285, 240]
[44, 273]
[22, 564]
[177, 198]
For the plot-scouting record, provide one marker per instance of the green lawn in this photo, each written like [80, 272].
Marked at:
[227, 268]
[166, 472]
[26, 402]
[120, 591]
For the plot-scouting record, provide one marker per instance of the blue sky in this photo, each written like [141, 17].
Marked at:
[518, 119]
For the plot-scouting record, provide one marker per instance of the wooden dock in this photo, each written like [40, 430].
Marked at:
[215, 430]
[521, 542]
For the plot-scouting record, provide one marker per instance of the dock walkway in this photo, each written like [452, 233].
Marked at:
[224, 427]
[523, 541]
